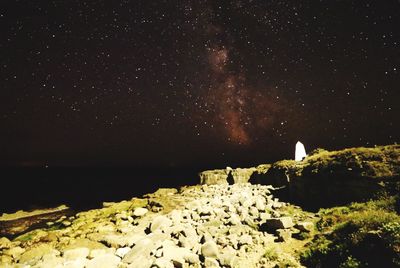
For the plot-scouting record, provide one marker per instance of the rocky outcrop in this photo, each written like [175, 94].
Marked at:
[198, 226]
[229, 175]
[242, 175]
[329, 178]
[217, 176]
[21, 221]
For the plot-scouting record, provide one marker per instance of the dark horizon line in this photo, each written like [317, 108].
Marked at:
[129, 165]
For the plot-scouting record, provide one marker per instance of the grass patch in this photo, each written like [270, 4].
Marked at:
[360, 235]
[26, 237]
[271, 254]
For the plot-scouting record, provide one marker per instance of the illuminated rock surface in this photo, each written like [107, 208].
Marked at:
[199, 226]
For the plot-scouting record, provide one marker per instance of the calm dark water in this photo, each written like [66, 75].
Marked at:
[83, 188]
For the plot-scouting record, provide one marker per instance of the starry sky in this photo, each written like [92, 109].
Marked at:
[194, 83]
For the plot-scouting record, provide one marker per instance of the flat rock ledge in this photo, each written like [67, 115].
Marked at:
[198, 226]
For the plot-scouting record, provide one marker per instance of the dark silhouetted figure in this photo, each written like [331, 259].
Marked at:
[230, 179]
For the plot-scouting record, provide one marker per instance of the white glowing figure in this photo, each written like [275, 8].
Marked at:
[300, 152]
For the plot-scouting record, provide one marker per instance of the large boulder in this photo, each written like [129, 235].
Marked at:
[140, 212]
[104, 261]
[209, 249]
[33, 255]
[228, 175]
[277, 223]
[217, 176]
[242, 175]
[160, 222]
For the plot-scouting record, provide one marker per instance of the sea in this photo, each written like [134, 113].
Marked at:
[83, 188]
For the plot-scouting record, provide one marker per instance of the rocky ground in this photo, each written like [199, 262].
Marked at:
[240, 225]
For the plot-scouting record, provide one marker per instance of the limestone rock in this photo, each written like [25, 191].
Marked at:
[277, 223]
[76, 263]
[211, 263]
[163, 263]
[305, 226]
[99, 252]
[104, 261]
[76, 253]
[14, 252]
[6, 261]
[179, 255]
[140, 212]
[160, 222]
[140, 262]
[209, 249]
[51, 261]
[260, 204]
[211, 177]
[201, 226]
[5, 243]
[142, 248]
[121, 252]
[122, 240]
[283, 235]
[245, 240]
[242, 175]
[234, 219]
[227, 256]
[33, 255]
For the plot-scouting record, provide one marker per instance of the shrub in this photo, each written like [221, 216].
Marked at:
[361, 235]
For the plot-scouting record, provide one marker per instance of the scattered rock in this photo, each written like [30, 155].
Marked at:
[277, 223]
[245, 240]
[77, 263]
[211, 263]
[305, 226]
[121, 252]
[141, 262]
[209, 249]
[5, 243]
[234, 219]
[50, 261]
[99, 252]
[6, 261]
[177, 254]
[14, 252]
[283, 235]
[160, 222]
[140, 212]
[201, 226]
[66, 223]
[76, 253]
[104, 261]
[142, 248]
[163, 263]
[33, 255]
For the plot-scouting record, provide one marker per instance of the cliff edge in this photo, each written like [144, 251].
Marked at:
[324, 178]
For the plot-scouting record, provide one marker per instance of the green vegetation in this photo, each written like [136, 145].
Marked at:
[27, 236]
[359, 235]
[377, 162]
[271, 254]
[262, 169]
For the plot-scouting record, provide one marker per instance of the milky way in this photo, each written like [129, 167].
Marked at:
[195, 82]
[240, 111]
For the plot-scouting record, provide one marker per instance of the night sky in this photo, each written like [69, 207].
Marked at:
[194, 83]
